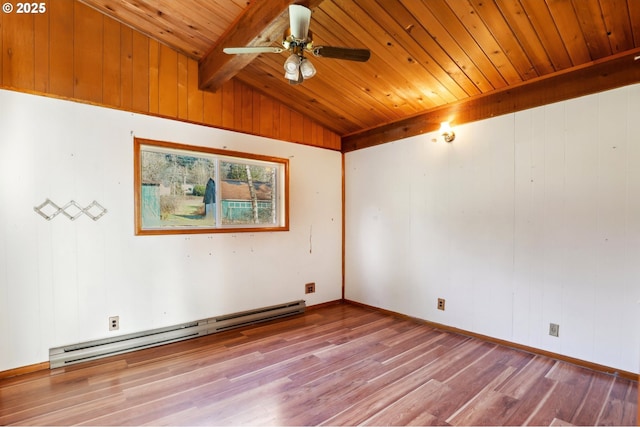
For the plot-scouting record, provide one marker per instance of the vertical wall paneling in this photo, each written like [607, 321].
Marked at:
[88, 53]
[634, 210]
[614, 220]
[4, 220]
[493, 181]
[75, 52]
[580, 281]
[524, 220]
[331, 139]
[275, 125]
[111, 64]
[319, 134]
[61, 39]
[307, 129]
[244, 116]
[378, 238]
[126, 67]
[256, 113]
[41, 53]
[265, 115]
[284, 125]
[183, 90]
[212, 111]
[553, 218]
[195, 97]
[275, 119]
[1, 49]
[297, 128]
[168, 81]
[529, 186]
[141, 78]
[60, 280]
[154, 76]
[18, 51]
[59, 170]
[230, 105]
[16, 235]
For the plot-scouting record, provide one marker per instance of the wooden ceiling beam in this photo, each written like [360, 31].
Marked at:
[262, 23]
[597, 76]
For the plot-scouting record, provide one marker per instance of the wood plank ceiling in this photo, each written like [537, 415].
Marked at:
[426, 56]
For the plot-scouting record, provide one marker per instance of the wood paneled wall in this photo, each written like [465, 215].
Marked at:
[75, 52]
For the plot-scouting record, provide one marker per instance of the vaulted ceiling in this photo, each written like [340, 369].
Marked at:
[434, 59]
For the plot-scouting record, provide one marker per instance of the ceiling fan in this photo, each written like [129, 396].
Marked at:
[298, 40]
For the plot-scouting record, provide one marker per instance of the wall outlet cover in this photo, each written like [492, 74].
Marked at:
[114, 323]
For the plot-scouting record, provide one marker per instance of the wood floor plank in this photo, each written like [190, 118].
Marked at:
[520, 384]
[382, 391]
[487, 402]
[618, 406]
[531, 399]
[337, 365]
[593, 403]
[408, 407]
[568, 395]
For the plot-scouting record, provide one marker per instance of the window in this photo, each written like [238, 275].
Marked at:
[188, 189]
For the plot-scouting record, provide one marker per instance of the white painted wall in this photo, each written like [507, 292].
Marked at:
[60, 280]
[525, 219]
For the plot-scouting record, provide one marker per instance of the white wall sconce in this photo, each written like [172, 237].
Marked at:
[447, 133]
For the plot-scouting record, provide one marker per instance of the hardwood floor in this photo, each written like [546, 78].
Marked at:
[336, 365]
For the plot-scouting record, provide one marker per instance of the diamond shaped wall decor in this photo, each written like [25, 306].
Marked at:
[72, 210]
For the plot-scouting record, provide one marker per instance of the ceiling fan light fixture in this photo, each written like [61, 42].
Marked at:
[298, 40]
[292, 64]
[307, 69]
[292, 76]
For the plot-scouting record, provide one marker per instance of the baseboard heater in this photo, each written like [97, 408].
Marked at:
[91, 350]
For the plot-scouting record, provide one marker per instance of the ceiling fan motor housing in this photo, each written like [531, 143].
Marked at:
[296, 45]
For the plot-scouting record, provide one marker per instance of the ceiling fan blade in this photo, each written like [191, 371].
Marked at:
[252, 49]
[299, 18]
[348, 53]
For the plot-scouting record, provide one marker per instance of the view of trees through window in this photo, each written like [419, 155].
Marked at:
[181, 189]
[259, 181]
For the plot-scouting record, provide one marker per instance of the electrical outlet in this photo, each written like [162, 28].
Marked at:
[554, 329]
[114, 323]
[310, 288]
[441, 304]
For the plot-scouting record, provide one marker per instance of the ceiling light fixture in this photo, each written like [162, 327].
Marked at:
[297, 67]
[307, 69]
[447, 133]
[292, 67]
